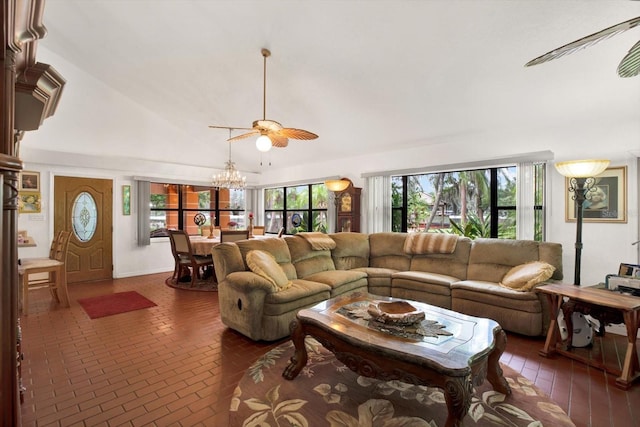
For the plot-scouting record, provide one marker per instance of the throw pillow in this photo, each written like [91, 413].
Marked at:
[525, 277]
[264, 264]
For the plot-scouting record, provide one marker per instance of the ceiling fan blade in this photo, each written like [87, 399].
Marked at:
[245, 135]
[230, 127]
[278, 141]
[297, 134]
[630, 64]
[585, 42]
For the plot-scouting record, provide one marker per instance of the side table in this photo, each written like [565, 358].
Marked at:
[603, 301]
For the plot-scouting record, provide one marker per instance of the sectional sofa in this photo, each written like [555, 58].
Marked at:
[455, 273]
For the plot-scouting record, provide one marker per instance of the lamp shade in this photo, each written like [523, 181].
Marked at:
[337, 185]
[582, 168]
[263, 143]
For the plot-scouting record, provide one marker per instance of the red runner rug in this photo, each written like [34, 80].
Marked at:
[121, 302]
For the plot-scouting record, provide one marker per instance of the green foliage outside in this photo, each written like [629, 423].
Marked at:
[457, 202]
[298, 201]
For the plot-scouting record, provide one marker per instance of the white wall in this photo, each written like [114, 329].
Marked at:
[605, 244]
[91, 113]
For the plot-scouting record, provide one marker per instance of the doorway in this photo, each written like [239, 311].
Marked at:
[84, 206]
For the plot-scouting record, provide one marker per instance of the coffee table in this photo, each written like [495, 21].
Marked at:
[454, 362]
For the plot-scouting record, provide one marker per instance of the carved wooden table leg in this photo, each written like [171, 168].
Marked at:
[457, 393]
[495, 375]
[299, 358]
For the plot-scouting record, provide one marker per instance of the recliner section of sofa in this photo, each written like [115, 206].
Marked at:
[465, 280]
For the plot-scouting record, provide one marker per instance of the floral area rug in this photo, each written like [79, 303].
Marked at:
[327, 393]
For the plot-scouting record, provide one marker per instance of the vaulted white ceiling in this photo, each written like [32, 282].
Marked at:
[366, 76]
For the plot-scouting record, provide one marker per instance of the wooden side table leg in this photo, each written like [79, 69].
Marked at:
[555, 301]
[630, 366]
[299, 358]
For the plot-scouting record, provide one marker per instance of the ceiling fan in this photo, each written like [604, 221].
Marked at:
[271, 132]
[630, 64]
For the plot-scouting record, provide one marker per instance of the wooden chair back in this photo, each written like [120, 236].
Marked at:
[258, 230]
[184, 256]
[233, 235]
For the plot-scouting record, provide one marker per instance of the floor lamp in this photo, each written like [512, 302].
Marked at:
[337, 186]
[581, 174]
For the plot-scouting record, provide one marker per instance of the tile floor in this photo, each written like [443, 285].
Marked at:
[177, 364]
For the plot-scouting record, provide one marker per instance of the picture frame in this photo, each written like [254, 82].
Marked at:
[29, 181]
[29, 202]
[606, 202]
[126, 200]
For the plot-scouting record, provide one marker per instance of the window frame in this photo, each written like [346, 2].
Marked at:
[182, 209]
[309, 212]
[494, 207]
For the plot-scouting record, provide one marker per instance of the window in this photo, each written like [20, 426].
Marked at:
[474, 203]
[174, 206]
[297, 208]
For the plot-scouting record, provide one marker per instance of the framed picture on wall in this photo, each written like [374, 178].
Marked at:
[605, 202]
[126, 200]
[29, 202]
[29, 181]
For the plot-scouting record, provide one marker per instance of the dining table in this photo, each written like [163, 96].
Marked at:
[201, 245]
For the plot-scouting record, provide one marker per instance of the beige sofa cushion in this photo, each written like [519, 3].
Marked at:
[306, 260]
[264, 264]
[226, 260]
[351, 251]
[491, 259]
[453, 264]
[387, 251]
[525, 277]
[276, 247]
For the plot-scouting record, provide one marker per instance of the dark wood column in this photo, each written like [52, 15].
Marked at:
[29, 93]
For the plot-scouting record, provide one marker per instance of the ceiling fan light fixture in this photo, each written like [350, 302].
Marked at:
[263, 143]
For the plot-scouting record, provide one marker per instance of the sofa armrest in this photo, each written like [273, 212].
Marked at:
[248, 282]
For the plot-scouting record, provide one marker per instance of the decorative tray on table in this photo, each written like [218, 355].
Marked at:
[395, 313]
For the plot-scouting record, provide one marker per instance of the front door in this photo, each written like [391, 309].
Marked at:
[83, 206]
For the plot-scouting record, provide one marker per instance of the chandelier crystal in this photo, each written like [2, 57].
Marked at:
[230, 177]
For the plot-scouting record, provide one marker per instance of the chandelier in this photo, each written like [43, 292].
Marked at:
[230, 177]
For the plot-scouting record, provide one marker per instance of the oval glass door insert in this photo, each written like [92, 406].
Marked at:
[84, 216]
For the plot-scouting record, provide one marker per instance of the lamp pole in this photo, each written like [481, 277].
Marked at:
[579, 187]
[581, 174]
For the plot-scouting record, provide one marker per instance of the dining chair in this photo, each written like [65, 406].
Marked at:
[281, 232]
[233, 235]
[51, 272]
[185, 258]
[258, 230]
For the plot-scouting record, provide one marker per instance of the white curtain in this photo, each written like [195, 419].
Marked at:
[378, 203]
[525, 191]
[144, 212]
